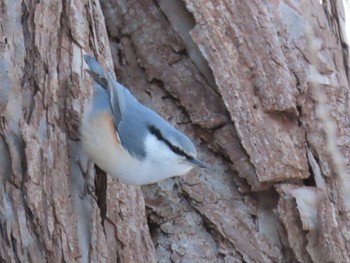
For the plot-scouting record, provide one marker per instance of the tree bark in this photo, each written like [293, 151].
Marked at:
[261, 87]
[47, 215]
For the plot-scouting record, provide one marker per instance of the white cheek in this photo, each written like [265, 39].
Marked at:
[158, 151]
[163, 162]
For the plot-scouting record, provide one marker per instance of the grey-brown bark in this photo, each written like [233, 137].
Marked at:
[46, 213]
[261, 87]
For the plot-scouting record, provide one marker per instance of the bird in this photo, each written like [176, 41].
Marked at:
[128, 140]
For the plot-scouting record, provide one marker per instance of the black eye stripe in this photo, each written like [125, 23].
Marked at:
[160, 137]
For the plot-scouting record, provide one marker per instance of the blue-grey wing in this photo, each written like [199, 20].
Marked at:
[132, 131]
[120, 97]
[117, 98]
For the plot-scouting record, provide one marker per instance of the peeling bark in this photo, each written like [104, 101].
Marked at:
[261, 87]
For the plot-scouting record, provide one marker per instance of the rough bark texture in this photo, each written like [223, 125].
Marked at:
[47, 214]
[262, 88]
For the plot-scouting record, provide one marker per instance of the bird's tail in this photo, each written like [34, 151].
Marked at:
[119, 96]
[96, 71]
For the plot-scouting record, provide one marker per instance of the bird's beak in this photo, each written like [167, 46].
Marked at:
[197, 163]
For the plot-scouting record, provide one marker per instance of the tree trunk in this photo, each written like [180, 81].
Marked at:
[261, 87]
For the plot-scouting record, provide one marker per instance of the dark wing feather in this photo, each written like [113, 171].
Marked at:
[101, 80]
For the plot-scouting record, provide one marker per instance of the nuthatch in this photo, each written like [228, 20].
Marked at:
[128, 140]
